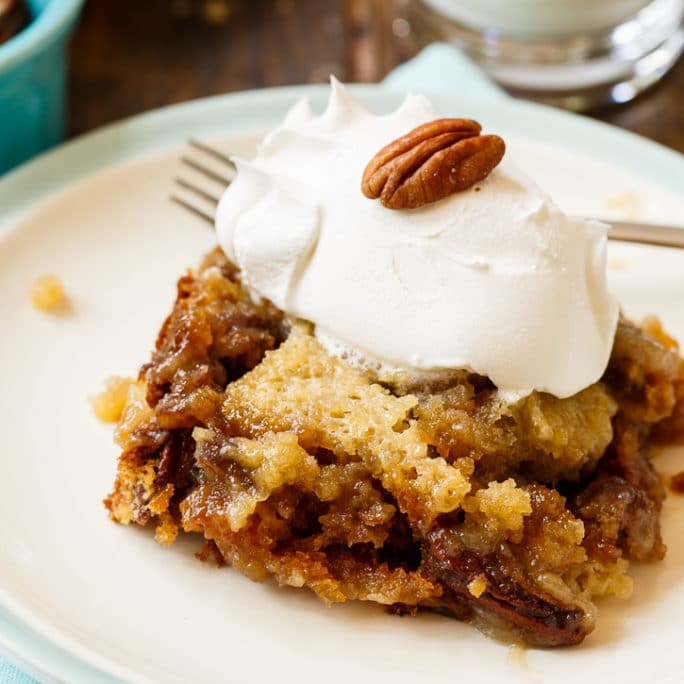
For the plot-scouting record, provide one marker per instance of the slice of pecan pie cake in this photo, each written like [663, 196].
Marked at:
[401, 378]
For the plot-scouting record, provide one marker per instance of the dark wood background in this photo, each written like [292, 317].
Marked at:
[130, 56]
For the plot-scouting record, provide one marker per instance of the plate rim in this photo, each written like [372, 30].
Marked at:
[25, 189]
[152, 131]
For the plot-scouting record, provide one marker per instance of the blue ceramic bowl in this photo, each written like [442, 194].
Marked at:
[32, 81]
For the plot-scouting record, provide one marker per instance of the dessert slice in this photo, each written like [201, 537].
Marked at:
[399, 435]
[294, 465]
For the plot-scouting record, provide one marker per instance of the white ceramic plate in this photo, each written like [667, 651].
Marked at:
[84, 600]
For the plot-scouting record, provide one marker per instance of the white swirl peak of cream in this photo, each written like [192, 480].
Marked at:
[494, 279]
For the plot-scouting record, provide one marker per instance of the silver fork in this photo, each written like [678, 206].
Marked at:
[622, 231]
[219, 179]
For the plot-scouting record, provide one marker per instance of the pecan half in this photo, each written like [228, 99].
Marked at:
[540, 619]
[431, 162]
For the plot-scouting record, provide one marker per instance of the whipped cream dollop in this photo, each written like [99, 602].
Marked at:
[495, 279]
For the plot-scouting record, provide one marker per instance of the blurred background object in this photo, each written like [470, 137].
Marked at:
[575, 54]
[13, 16]
[133, 56]
[128, 57]
[32, 75]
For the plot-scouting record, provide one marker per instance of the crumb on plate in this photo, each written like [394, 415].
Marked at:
[626, 204]
[47, 293]
[516, 655]
[108, 404]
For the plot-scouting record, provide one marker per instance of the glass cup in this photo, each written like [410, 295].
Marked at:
[572, 53]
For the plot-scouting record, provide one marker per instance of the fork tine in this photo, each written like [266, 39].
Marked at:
[193, 209]
[217, 177]
[208, 173]
[198, 191]
[212, 152]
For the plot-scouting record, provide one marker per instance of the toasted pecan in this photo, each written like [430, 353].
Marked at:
[431, 162]
[538, 618]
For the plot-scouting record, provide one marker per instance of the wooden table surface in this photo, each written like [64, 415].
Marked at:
[128, 57]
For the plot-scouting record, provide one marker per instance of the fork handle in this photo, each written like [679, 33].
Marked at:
[646, 233]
